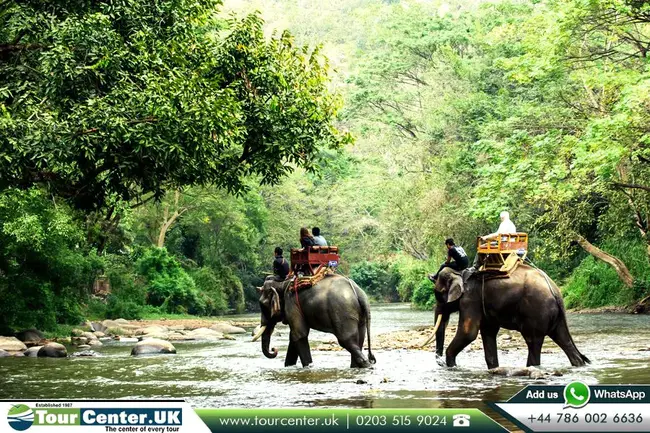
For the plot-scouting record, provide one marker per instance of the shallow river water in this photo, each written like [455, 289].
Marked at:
[236, 374]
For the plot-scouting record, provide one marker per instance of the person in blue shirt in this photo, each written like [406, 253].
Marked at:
[456, 258]
[318, 239]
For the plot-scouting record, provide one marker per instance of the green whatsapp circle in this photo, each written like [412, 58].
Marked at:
[576, 394]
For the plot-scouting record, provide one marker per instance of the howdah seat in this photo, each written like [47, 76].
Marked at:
[502, 254]
[311, 260]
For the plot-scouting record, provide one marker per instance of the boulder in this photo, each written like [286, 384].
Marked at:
[85, 353]
[164, 336]
[89, 336]
[121, 321]
[12, 344]
[127, 340]
[52, 350]
[79, 340]
[227, 328]
[151, 330]
[176, 328]
[98, 327]
[18, 354]
[84, 346]
[205, 334]
[32, 352]
[99, 334]
[152, 346]
[4, 354]
[177, 336]
[95, 343]
[76, 332]
[28, 336]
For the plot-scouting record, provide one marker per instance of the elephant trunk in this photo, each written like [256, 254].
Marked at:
[266, 341]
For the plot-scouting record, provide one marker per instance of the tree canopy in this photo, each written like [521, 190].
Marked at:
[119, 101]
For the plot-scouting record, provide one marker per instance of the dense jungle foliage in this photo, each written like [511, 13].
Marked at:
[171, 148]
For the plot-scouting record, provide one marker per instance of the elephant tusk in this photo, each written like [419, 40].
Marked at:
[435, 329]
[259, 334]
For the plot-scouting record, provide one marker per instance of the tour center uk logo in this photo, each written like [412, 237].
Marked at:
[20, 417]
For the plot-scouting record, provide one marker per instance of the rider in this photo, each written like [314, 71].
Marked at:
[306, 239]
[506, 226]
[455, 253]
[280, 266]
[318, 239]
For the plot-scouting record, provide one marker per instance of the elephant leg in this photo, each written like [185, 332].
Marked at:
[292, 354]
[440, 333]
[468, 326]
[489, 337]
[560, 335]
[362, 335]
[534, 344]
[304, 352]
[351, 344]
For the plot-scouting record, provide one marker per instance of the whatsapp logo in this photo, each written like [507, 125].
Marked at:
[576, 395]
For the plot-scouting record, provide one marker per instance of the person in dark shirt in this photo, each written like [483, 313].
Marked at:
[306, 239]
[456, 258]
[280, 266]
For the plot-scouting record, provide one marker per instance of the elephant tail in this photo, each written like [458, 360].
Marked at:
[365, 311]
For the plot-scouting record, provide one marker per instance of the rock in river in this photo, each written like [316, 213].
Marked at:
[52, 350]
[12, 344]
[32, 351]
[205, 334]
[30, 336]
[85, 353]
[152, 346]
[227, 328]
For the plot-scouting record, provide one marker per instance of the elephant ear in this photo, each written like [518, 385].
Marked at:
[455, 292]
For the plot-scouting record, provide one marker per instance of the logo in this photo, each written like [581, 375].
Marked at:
[576, 395]
[461, 420]
[20, 417]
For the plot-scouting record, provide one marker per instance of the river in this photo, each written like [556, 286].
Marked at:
[236, 374]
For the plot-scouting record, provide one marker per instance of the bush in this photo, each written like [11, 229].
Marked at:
[376, 279]
[423, 296]
[168, 285]
[210, 290]
[409, 274]
[46, 268]
[595, 284]
[119, 308]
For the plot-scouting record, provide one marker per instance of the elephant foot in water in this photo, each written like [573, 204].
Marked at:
[360, 363]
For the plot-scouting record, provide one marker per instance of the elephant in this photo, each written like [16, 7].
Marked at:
[335, 305]
[527, 301]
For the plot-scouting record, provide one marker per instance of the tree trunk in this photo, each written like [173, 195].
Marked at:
[168, 220]
[620, 268]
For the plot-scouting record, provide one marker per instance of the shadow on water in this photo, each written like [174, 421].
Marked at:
[236, 374]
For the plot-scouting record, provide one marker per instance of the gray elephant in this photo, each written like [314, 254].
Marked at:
[528, 302]
[335, 305]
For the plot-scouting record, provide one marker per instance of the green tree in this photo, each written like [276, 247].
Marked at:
[103, 102]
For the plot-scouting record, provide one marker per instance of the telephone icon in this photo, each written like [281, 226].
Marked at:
[461, 420]
[577, 397]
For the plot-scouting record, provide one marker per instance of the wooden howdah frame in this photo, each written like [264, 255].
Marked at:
[310, 260]
[503, 253]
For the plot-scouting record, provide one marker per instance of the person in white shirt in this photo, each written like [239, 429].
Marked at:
[318, 239]
[506, 226]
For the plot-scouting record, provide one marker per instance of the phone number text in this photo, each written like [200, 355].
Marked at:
[596, 418]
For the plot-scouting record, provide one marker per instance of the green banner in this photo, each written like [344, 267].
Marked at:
[340, 420]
